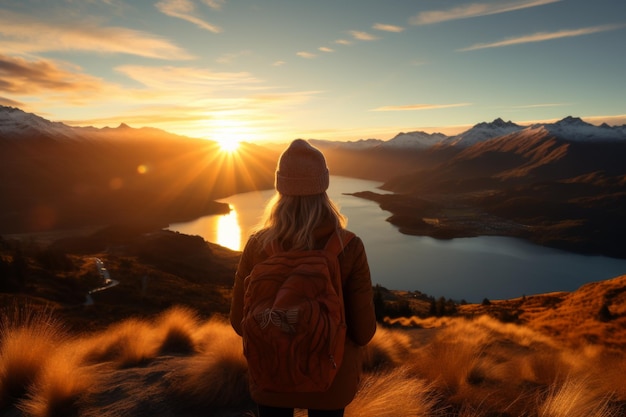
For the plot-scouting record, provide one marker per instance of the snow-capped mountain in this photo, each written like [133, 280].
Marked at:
[414, 140]
[15, 123]
[355, 145]
[575, 129]
[484, 131]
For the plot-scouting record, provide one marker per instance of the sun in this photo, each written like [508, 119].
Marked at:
[228, 144]
[228, 133]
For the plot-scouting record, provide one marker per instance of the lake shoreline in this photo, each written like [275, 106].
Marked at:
[445, 217]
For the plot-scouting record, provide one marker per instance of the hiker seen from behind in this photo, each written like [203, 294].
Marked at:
[302, 297]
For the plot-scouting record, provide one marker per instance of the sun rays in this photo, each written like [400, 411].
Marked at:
[206, 172]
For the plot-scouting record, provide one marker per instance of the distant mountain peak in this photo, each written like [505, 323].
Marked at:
[497, 123]
[8, 109]
[124, 126]
[572, 121]
[485, 131]
[414, 140]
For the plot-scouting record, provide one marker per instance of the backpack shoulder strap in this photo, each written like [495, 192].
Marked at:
[338, 241]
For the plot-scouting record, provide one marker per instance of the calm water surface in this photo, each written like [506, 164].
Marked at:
[466, 268]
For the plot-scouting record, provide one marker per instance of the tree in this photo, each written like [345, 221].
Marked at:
[379, 303]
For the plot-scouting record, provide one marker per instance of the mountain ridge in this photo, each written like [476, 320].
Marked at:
[558, 184]
[15, 123]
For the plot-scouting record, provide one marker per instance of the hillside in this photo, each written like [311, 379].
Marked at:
[56, 177]
[557, 184]
[157, 344]
[155, 269]
[528, 184]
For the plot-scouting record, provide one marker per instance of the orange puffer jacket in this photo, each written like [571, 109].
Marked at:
[360, 320]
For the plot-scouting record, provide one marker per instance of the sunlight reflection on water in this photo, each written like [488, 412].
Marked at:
[228, 230]
[466, 268]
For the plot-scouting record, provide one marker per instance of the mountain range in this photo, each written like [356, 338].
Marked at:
[569, 128]
[559, 184]
[16, 124]
[54, 176]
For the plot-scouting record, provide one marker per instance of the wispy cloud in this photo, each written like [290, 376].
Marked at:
[387, 28]
[22, 77]
[8, 102]
[413, 107]
[326, 49]
[187, 79]
[215, 4]
[26, 34]
[307, 55]
[475, 10]
[278, 63]
[343, 42]
[616, 120]
[541, 105]
[231, 57]
[362, 36]
[543, 36]
[185, 9]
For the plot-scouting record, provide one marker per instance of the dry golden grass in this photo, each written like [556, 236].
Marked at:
[178, 365]
[27, 337]
[178, 326]
[393, 393]
[388, 349]
[60, 384]
[570, 318]
[576, 397]
[125, 344]
[217, 376]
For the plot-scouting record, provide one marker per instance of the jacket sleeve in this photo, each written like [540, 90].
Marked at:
[243, 270]
[358, 294]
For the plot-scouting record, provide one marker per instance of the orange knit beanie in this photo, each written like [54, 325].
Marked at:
[301, 170]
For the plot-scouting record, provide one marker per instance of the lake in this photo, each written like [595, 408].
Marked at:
[467, 268]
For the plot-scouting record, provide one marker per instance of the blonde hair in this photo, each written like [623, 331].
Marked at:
[291, 220]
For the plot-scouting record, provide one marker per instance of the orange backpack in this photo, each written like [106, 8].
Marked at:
[293, 318]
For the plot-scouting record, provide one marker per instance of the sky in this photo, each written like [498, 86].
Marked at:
[276, 70]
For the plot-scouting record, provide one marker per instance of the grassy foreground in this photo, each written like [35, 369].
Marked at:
[177, 364]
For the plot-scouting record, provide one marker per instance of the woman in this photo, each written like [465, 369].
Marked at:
[302, 217]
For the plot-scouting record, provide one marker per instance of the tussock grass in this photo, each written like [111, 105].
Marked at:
[179, 365]
[388, 349]
[483, 365]
[126, 344]
[217, 376]
[576, 397]
[178, 325]
[27, 337]
[60, 385]
[393, 393]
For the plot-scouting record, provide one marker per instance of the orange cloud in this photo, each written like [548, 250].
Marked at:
[22, 77]
[11, 103]
[27, 34]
